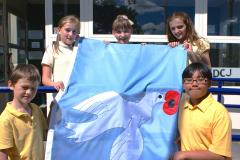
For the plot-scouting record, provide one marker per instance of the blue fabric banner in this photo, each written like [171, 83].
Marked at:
[121, 103]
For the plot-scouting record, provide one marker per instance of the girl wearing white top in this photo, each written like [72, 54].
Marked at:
[56, 59]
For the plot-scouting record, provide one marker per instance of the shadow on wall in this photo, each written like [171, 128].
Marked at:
[235, 150]
[3, 101]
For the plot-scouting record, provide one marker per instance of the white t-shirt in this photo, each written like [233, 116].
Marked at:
[59, 62]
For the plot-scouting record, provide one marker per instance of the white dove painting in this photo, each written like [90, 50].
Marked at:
[120, 103]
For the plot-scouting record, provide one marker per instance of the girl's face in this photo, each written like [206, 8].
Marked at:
[122, 36]
[68, 33]
[178, 28]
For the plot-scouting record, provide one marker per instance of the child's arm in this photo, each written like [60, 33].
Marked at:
[197, 155]
[3, 155]
[46, 78]
[206, 59]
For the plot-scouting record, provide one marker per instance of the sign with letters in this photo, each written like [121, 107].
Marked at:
[225, 72]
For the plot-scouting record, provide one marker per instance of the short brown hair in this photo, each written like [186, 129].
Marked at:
[28, 71]
[122, 22]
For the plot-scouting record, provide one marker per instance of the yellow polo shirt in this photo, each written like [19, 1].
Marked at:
[22, 135]
[206, 126]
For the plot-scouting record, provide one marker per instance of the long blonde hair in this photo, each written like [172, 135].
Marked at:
[67, 19]
[28, 71]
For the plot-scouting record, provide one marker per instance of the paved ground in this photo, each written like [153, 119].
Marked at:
[236, 151]
[236, 146]
[235, 131]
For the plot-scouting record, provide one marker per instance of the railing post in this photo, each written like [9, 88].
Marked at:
[219, 95]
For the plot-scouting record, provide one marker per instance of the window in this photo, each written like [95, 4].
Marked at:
[1, 23]
[2, 65]
[223, 17]
[17, 31]
[223, 32]
[16, 56]
[62, 8]
[225, 55]
[2, 59]
[149, 17]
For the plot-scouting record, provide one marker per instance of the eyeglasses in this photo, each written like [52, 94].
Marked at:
[200, 80]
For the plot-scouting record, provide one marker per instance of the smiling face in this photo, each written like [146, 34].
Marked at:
[122, 29]
[68, 33]
[123, 36]
[196, 87]
[24, 91]
[178, 28]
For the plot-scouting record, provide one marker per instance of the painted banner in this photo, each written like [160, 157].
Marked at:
[120, 103]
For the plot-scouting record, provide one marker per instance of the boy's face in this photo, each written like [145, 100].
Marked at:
[24, 91]
[196, 87]
[123, 36]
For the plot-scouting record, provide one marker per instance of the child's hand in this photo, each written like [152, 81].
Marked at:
[173, 44]
[106, 42]
[188, 47]
[58, 85]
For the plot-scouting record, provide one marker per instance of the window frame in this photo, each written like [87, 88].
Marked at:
[86, 18]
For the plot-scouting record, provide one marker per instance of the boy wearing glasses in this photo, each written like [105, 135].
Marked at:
[204, 123]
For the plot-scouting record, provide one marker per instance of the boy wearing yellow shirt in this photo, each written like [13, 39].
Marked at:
[22, 124]
[204, 123]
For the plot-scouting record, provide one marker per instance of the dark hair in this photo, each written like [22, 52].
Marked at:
[202, 68]
[28, 71]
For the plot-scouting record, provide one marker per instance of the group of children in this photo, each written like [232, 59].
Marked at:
[204, 124]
